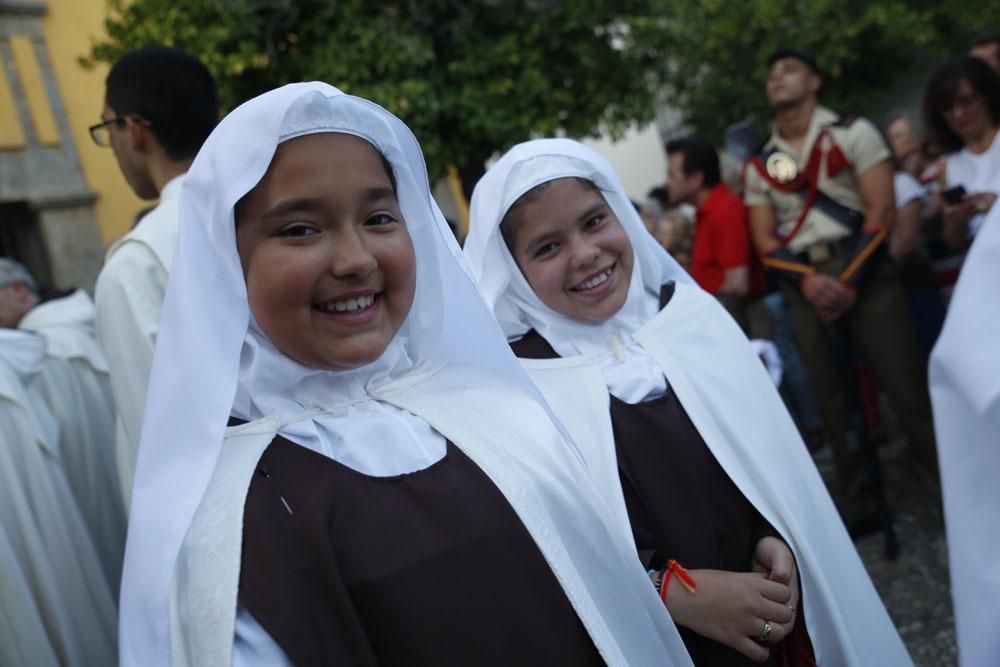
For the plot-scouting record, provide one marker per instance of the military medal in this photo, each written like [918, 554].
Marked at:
[782, 167]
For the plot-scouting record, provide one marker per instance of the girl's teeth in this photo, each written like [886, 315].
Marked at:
[350, 305]
[597, 280]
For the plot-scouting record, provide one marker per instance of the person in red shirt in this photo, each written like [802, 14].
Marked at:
[720, 256]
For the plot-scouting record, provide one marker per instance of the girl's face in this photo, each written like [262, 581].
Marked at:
[328, 262]
[573, 251]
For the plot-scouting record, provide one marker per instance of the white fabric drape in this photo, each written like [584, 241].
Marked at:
[198, 380]
[74, 381]
[129, 296]
[39, 515]
[965, 395]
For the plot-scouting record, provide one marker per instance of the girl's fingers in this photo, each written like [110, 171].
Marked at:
[775, 612]
[776, 634]
[751, 649]
[775, 591]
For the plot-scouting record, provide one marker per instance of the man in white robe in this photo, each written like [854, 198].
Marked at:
[74, 381]
[160, 105]
[965, 393]
[40, 518]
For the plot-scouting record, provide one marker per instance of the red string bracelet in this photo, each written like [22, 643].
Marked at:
[682, 574]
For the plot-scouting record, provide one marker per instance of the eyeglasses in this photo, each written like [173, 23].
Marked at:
[962, 103]
[101, 133]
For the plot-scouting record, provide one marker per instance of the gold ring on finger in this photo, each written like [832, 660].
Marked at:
[765, 632]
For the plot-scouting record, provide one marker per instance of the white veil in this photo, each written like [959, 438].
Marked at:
[632, 376]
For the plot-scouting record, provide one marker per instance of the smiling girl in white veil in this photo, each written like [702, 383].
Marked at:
[391, 489]
[680, 426]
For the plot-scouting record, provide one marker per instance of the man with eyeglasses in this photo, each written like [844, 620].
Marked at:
[160, 106]
[821, 203]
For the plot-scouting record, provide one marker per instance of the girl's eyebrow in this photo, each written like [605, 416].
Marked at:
[589, 213]
[298, 205]
[378, 194]
[313, 205]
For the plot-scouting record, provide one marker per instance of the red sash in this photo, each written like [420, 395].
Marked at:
[808, 178]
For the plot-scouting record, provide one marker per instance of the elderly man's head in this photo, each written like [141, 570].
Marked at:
[905, 133]
[18, 293]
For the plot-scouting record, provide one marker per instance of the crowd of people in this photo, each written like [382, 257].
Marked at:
[340, 438]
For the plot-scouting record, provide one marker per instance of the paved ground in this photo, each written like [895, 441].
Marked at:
[915, 586]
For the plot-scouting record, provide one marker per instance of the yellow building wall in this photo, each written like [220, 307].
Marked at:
[70, 28]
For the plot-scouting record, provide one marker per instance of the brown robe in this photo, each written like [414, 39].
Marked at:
[429, 568]
[700, 518]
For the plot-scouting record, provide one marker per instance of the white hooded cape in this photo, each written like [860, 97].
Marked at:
[74, 381]
[39, 515]
[965, 395]
[723, 387]
[179, 592]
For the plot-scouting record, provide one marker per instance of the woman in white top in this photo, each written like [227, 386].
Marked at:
[681, 428]
[962, 110]
[390, 489]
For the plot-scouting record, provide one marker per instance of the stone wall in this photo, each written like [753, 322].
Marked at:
[39, 163]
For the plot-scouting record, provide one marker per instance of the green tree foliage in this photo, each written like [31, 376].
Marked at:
[719, 49]
[469, 77]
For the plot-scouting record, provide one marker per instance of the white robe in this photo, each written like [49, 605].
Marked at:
[44, 526]
[731, 401]
[129, 295]
[23, 640]
[965, 395]
[507, 434]
[74, 381]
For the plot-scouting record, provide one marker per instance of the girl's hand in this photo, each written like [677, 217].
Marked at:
[775, 561]
[732, 608]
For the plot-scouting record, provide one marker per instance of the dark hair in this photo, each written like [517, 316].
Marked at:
[802, 56]
[699, 155]
[942, 90]
[507, 230]
[987, 38]
[661, 194]
[172, 90]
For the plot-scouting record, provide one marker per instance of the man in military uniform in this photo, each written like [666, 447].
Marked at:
[821, 203]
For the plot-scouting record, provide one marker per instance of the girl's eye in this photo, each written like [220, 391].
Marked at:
[545, 250]
[594, 222]
[297, 230]
[380, 219]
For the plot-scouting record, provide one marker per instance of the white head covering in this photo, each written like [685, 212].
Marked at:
[211, 360]
[628, 371]
[22, 355]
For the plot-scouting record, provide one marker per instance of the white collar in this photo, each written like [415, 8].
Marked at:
[171, 190]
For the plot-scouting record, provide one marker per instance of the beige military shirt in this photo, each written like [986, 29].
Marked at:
[862, 145]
